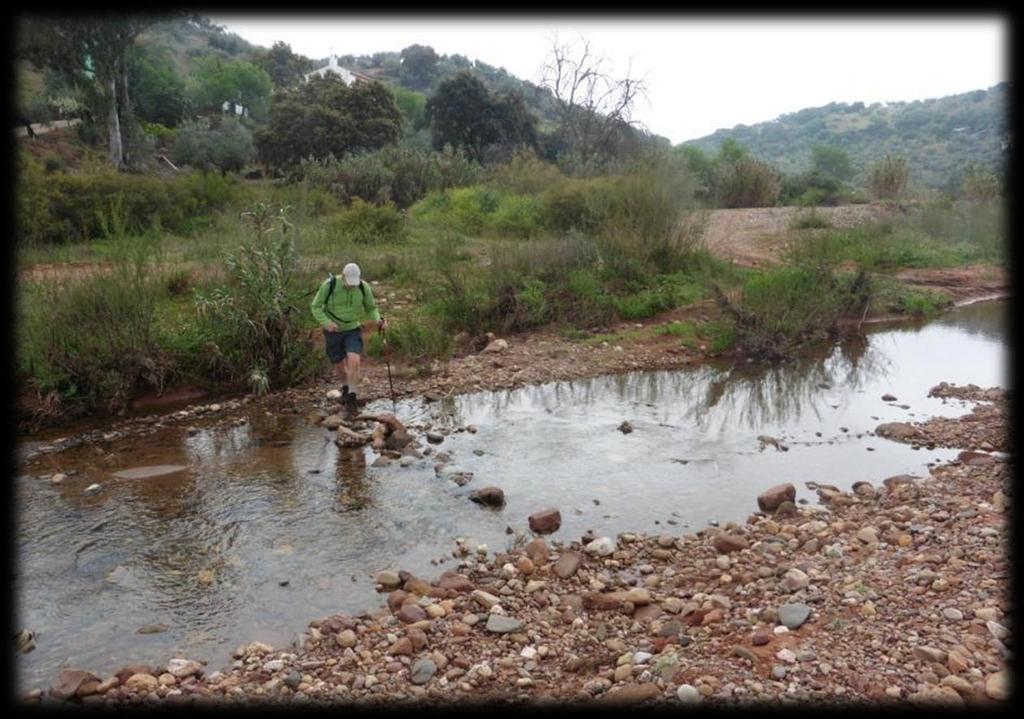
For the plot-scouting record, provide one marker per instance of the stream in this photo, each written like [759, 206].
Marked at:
[268, 525]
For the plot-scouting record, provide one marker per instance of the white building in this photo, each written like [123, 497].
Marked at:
[332, 67]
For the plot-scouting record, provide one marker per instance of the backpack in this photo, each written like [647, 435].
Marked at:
[330, 291]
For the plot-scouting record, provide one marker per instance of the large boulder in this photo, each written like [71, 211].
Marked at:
[69, 681]
[772, 498]
[545, 521]
[489, 496]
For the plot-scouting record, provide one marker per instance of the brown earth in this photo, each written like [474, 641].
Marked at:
[904, 585]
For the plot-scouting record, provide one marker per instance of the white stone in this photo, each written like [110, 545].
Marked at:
[602, 546]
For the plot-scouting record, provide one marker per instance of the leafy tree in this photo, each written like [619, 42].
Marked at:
[746, 182]
[286, 69]
[980, 185]
[158, 90]
[463, 113]
[215, 81]
[730, 150]
[325, 117]
[419, 66]
[90, 53]
[832, 161]
[413, 106]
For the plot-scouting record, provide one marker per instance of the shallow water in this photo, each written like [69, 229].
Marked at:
[275, 501]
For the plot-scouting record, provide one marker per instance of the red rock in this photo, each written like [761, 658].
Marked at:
[599, 600]
[760, 638]
[647, 613]
[772, 498]
[411, 613]
[418, 638]
[124, 672]
[415, 585]
[567, 564]
[402, 647]
[726, 543]
[456, 582]
[396, 598]
[545, 521]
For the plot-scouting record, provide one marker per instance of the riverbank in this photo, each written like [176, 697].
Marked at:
[531, 358]
[895, 592]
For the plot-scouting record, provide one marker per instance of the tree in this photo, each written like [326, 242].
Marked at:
[413, 106]
[286, 69]
[463, 113]
[158, 90]
[225, 146]
[325, 117]
[90, 53]
[593, 107]
[832, 161]
[419, 66]
[215, 81]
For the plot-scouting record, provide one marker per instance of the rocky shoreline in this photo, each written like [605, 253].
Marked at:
[895, 593]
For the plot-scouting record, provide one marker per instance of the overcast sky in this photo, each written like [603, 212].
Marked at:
[702, 73]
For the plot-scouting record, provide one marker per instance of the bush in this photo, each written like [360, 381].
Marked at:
[746, 182]
[980, 185]
[252, 332]
[226, 146]
[368, 224]
[809, 221]
[60, 207]
[889, 178]
[92, 342]
[782, 308]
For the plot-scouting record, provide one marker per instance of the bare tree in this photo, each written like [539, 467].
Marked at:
[594, 107]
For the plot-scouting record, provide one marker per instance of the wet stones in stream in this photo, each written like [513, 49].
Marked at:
[545, 521]
[489, 497]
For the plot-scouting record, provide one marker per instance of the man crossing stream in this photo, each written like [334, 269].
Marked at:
[340, 309]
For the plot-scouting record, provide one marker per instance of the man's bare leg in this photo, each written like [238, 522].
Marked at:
[353, 362]
[339, 369]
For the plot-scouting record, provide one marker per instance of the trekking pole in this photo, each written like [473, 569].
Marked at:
[387, 361]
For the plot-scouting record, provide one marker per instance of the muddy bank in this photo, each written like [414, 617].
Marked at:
[893, 592]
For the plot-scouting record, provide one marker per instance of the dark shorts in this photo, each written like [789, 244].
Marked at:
[340, 343]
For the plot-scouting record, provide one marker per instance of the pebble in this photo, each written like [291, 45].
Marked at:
[793, 615]
[421, 671]
[688, 694]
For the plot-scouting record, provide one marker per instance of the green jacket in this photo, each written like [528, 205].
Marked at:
[347, 305]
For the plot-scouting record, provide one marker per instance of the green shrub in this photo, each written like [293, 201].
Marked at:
[226, 146]
[91, 342]
[367, 224]
[810, 220]
[251, 331]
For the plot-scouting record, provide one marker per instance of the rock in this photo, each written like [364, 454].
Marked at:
[331, 394]
[795, 580]
[435, 438]
[411, 613]
[888, 398]
[937, 697]
[496, 346]
[142, 683]
[206, 576]
[631, 694]
[953, 614]
[601, 547]
[402, 647]
[389, 581]
[123, 673]
[997, 630]
[726, 543]
[898, 431]
[332, 421]
[525, 566]
[868, 535]
[455, 582]
[488, 496]
[24, 641]
[537, 551]
[92, 488]
[786, 509]
[485, 599]
[274, 665]
[567, 565]
[152, 629]
[58, 478]
[180, 668]
[760, 638]
[346, 638]
[345, 437]
[864, 489]
[688, 694]
[625, 427]
[770, 499]
[930, 654]
[997, 686]
[421, 671]
[793, 615]
[69, 681]
[501, 624]
[545, 521]
[293, 680]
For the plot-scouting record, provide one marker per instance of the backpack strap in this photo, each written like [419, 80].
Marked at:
[332, 281]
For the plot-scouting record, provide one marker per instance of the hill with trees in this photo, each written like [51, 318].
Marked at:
[939, 137]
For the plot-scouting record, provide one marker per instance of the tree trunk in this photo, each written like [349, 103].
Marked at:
[125, 107]
[116, 152]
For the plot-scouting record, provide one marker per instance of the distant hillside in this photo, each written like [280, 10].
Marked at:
[937, 136]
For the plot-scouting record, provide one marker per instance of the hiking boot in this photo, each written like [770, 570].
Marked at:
[351, 404]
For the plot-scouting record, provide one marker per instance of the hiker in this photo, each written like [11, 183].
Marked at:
[339, 307]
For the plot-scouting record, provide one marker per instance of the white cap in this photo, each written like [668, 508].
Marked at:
[351, 274]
